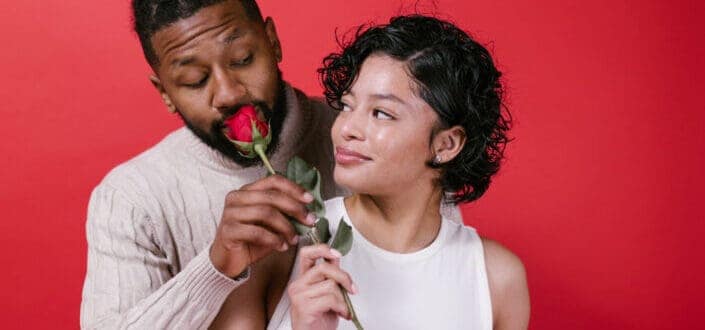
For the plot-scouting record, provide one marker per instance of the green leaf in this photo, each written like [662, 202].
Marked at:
[256, 135]
[300, 228]
[246, 149]
[300, 172]
[322, 230]
[309, 178]
[317, 206]
[343, 238]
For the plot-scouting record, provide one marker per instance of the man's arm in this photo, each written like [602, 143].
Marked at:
[129, 282]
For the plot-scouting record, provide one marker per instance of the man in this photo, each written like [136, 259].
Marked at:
[166, 246]
[174, 231]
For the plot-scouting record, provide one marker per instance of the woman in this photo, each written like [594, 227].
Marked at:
[421, 122]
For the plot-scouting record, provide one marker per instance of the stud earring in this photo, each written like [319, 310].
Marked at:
[437, 160]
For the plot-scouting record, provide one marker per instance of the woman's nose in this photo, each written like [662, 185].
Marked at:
[352, 125]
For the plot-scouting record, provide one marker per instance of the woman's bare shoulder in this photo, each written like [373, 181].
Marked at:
[508, 286]
[505, 266]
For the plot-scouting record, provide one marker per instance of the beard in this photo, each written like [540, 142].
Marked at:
[214, 137]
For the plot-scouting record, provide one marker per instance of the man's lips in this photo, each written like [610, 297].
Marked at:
[225, 130]
[345, 156]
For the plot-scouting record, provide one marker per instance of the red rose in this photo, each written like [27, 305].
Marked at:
[240, 124]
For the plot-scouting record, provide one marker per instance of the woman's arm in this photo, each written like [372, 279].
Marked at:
[508, 288]
[245, 307]
[251, 305]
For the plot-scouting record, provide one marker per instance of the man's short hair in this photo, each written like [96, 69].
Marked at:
[150, 16]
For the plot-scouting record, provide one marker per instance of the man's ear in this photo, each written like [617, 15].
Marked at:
[448, 143]
[165, 97]
[271, 32]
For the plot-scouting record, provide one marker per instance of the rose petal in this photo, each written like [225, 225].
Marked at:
[240, 124]
[263, 128]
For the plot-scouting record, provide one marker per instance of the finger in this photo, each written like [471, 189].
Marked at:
[273, 198]
[256, 235]
[309, 255]
[264, 216]
[325, 271]
[328, 303]
[322, 288]
[282, 184]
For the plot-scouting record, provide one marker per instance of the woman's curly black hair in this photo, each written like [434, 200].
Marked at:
[454, 74]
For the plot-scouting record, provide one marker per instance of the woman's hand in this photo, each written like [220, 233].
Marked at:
[316, 300]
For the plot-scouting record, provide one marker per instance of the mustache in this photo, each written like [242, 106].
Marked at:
[212, 135]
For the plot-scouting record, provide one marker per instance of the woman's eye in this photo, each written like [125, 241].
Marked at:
[379, 114]
[344, 106]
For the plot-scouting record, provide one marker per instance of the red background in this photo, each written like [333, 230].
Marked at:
[601, 195]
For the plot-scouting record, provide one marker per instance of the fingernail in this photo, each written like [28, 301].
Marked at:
[354, 289]
[336, 253]
[295, 240]
[284, 247]
[308, 198]
[310, 218]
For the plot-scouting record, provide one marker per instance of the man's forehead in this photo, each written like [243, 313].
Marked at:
[184, 33]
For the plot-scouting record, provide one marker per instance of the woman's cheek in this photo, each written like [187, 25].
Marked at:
[403, 143]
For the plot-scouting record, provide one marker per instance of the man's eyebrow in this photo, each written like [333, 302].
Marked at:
[184, 61]
[233, 36]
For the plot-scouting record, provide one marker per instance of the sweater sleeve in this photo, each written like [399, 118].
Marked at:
[129, 281]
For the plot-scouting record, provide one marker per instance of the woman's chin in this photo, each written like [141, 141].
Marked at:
[355, 183]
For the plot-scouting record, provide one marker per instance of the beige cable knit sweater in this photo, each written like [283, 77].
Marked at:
[152, 219]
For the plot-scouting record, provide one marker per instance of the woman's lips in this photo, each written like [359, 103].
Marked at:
[345, 156]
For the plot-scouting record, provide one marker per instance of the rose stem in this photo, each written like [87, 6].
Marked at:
[260, 151]
[314, 238]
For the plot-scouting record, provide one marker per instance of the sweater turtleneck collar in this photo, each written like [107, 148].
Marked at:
[297, 122]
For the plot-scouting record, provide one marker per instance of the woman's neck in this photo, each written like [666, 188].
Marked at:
[402, 223]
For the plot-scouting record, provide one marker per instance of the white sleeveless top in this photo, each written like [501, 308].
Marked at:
[443, 286]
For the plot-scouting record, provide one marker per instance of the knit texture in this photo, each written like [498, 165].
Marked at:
[151, 222]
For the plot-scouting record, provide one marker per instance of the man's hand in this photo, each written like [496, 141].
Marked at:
[254, 223]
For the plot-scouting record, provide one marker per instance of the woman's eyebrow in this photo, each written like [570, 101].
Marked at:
[389, 97]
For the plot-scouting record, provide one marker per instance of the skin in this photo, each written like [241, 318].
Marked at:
[385, 122]
[383, 140]
[395, 193]
[208, 63]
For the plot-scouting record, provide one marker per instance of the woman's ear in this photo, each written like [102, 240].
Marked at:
[448, 143]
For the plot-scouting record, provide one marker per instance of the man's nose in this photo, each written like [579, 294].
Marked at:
[227, 92]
